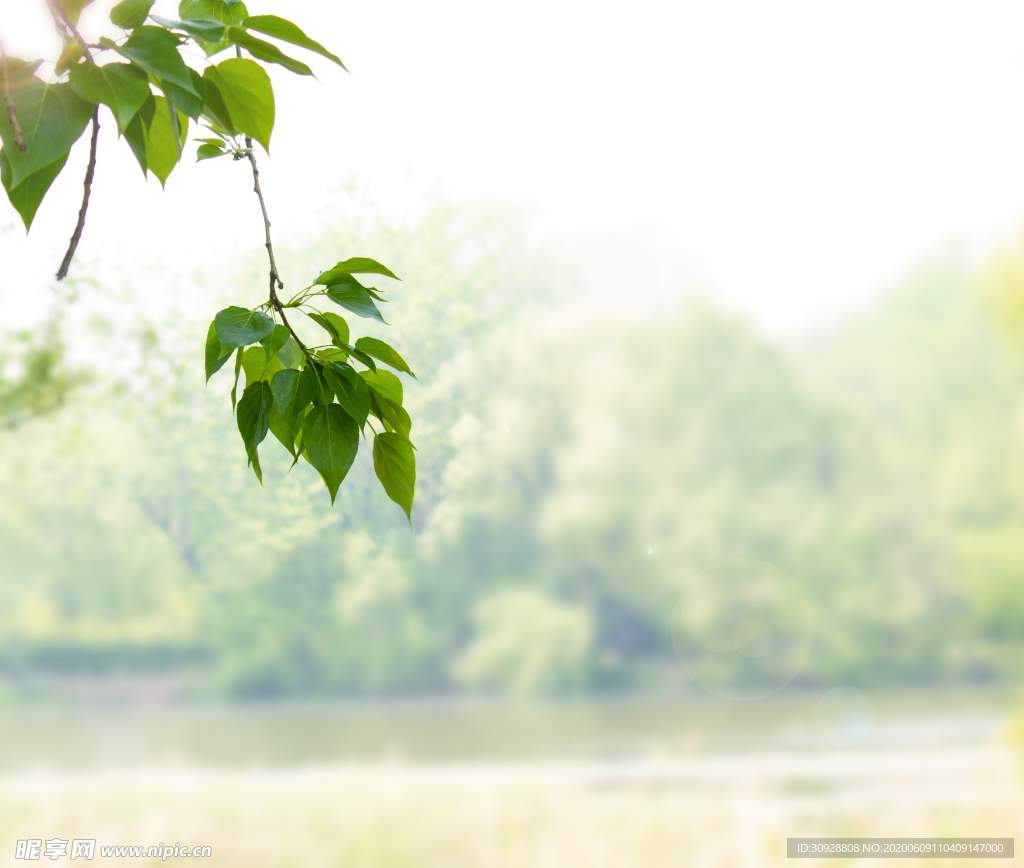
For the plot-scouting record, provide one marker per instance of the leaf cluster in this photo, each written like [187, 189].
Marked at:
[317, 401]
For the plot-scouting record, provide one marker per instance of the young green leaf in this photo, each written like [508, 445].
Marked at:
[279, 28]
[244, 87]
[28, 195]
[385, 383]
[265, 50]
[355, 265]
[52, 118]
[254, 363]
[383, 352]
[239, 326]
[352, 392]
[216, 355]
[331, 438]
[122, 87]
[339, 326]
[293, 391]
[215, 109]
[395, 465]
[254, 419]
[355, 299]
[130, 13]
[156, 51]
[209, 152]
[323, 323]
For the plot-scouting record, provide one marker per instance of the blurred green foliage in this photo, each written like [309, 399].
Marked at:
[576, 462]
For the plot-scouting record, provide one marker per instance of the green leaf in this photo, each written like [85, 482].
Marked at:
[352, 392]
[275, 340]
[27, 196]
[201, 30]
[244, 87]
[265, 50]
[395, 465]
[156, 51]
[186, 102]
[239, 326]
[74, 8]
[135, 132]
[238, 368]
[254, 420]
[362, 357]
[70, 54]
[208, 152]
[216, 355]
[215, 109]
[392, 415]
[130, 13]
[323, 323]
[355, 299]
[52, 118]
[163, 142]
[293, 391]
[121, 87]
[254, 363]
[381, 351]
[339, 326]
[279, 28]
[384, 383]
[355, 265]
[331, 438]
[322, 392]
[283, 429]
[225, 11]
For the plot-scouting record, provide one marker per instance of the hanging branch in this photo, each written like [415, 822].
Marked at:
[76, 236]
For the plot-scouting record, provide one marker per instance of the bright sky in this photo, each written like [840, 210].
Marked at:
[795, 155]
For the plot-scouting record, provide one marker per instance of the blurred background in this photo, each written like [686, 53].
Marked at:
[685, 286]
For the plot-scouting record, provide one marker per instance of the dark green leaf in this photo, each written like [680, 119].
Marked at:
[282, 428]
[130, 13]
[156, 51]
[275, 340]
[385, 383]
[185, 101]
[121, 87]
[322, 391]
[208, 152]
[199, 29]
[351, 390]
[355, 265]
[331, 439]
[254, 419]
[395, 465]
[279, 28]
[293, 390]
[392, 415]
[27, 196]
[362, 357]
[381, 351]
[244, 87]
[265, 50]
[239, 327]
[216, 355]
[355, 299]
[51, 116]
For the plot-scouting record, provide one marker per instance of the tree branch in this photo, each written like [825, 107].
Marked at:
[12, 115]
[275, 279]
[62, 272]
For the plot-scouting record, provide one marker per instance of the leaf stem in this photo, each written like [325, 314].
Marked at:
[12, 115]
[62, 272]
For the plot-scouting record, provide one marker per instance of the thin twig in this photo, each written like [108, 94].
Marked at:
[62, 272]
[275, 279]
[62, 19]
[12, 115]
